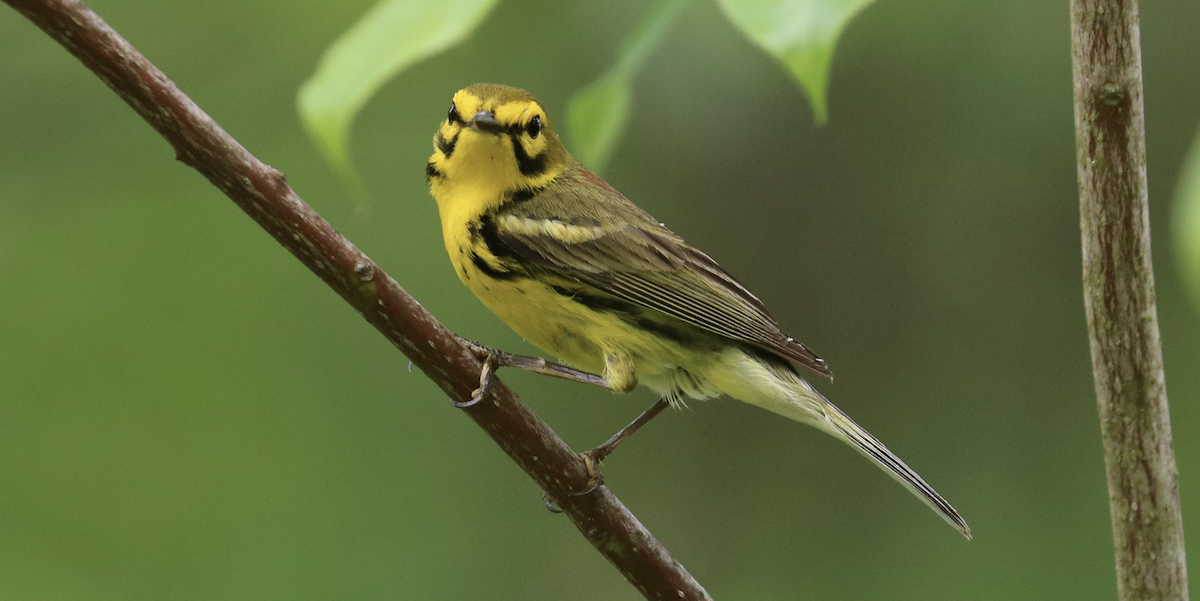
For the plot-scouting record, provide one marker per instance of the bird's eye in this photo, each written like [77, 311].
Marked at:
[535, 126]
[452, 116]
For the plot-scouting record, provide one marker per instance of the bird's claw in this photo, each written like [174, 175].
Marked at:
[595, 478]
[485, 374]
[476, 396]
[551, 504]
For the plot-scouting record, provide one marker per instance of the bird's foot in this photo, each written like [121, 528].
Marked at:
[551, 504]
[489, 358]
[591, 462]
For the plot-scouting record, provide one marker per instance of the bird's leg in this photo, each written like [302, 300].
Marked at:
[537, 365]
[601, 452]
[619, 376]
[592, 458]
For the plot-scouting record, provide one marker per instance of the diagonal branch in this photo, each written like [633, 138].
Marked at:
[1118, 289]
[263, 193]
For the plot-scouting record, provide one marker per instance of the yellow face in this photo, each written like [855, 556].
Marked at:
[496, 140]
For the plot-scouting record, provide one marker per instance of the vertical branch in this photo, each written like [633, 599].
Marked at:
[1118, 289]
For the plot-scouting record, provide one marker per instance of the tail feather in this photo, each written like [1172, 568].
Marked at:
[870, 447]
[776, 387]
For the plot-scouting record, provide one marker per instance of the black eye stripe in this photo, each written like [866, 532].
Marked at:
[530, 166]
[517, 129]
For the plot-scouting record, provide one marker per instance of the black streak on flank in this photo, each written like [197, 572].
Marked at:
[627, 312]
[491, 272]
[674, 334]
[431, 172]
[529, 166]
[597, 303]
[445, 146]
[484, 231]
[523, 195]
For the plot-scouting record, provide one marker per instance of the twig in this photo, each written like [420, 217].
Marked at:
[1118, 289]
[263, 193]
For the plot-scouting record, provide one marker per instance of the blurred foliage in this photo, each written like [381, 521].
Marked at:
[597, 114]
[392, 36]
[395, 34]
[1186, 229]
[187, 413]
[801, 34]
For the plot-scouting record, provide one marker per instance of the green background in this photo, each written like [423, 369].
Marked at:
[187, 413]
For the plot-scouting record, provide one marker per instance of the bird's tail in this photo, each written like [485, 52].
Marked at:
[779, 389]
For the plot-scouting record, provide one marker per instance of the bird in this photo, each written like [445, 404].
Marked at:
[583, 273]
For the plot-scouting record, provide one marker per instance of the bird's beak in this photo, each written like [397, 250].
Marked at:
[486, 121]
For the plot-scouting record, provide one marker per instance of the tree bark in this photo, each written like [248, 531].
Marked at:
[262, 192]
[1118, 287]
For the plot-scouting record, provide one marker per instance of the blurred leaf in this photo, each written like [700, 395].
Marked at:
[799, 33]
[596, 115]
[393, 35]
[1186, 226]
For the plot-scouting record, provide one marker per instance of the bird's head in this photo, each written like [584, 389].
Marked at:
[499, 135]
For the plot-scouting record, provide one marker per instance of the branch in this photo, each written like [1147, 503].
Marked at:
[263, 193]
[1118, 290]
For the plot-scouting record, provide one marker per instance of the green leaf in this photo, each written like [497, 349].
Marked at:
[596, 115]
[801, 34]
[393, 35]
[1185, 226]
